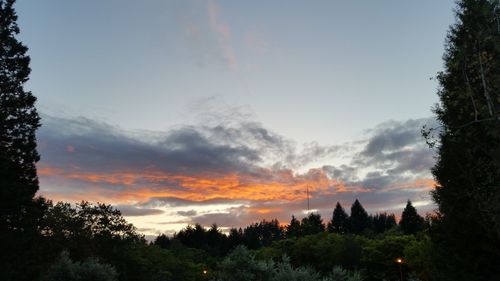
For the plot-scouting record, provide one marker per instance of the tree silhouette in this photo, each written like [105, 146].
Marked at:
[383, 222]
[18, 156]
[293, 228]
[234, 238]
[468, 165]
[340, 220]
[359, 220]
[411, 222]
[312, 224]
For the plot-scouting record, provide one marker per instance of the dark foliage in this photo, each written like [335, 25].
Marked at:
[411, 222]
[18, 155]
[467, 230]
[293, 228]
[359, 220]
[312, 224]
[383, 222]
[340, 220]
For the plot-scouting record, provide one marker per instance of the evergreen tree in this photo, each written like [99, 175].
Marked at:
[411, 222]
[312, 224]
[359, 220]
[340, 220]
[18, 123]
[234, 238]
[162, 241]
[18, 156]
[270, 231]
[383, 222]
[293, 229]
[390, 222]
[467, 229]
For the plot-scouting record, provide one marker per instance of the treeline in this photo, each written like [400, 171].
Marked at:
[265, 232]
[94, 242]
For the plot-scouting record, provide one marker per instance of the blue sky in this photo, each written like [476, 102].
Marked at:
[277, 87]
[313, 71]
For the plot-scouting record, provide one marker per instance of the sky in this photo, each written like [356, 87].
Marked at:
[225, 112]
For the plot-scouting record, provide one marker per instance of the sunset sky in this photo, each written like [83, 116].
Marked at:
[224, 111]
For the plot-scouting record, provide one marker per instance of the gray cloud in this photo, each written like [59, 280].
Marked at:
[393, 155]
[180, 202]
[132, 211]
[190, 213]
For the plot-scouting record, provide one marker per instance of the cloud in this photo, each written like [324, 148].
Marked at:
[210, 37]
[130, 211]
[230, 173]
[190, 213]
[394, 153]
[223, 33]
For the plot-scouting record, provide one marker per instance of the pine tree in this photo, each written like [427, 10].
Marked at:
[359, 220]
[18, 156]
[467, 229]
[411, 222]
[293, 229]
[340, 220]
[18, 123]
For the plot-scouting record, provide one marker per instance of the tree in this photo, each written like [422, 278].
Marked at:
[234, 238]
[18, 123]
[18, 155]
[86, 230]
[64, 269]
[383, 222]
[162, 241]
[312, 224]
[467, 171]
[241, 264]
[411, 222]
[293, 228]
[262, 234]
[340, 220]
[359, 218]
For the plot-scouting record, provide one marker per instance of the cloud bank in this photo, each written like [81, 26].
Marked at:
[229, 173]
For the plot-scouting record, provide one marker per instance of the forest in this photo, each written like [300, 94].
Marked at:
[45, 240]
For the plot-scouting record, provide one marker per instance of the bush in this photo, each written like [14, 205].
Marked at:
[64, 269]
[242, 265]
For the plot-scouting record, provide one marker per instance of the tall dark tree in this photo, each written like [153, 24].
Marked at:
[293, 228]
[411, 222]
[467, 172]
[18, 122]
[18, 156]
[340, 220]
[359, 220]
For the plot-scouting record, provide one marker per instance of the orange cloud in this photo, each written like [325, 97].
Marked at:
[139, 186]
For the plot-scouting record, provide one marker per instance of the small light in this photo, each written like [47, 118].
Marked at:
[399, 260]
[205, 271]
